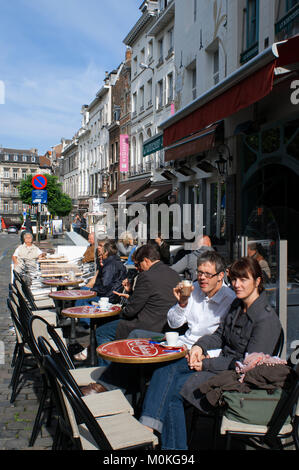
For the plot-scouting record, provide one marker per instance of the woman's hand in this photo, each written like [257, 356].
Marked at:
[195, 357]
[126, 285]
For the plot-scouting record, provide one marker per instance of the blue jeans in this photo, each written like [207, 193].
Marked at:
[104, 334]
[81, 303]
[163, 407]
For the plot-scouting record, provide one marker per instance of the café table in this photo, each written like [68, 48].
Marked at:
[140, 352]
[95, 313]
[61, 284]
[71, 295]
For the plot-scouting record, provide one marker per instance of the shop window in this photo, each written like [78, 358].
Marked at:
[270, 140]
[253, 141]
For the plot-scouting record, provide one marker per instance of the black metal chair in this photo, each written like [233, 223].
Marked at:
[22, 352]
[114, 432]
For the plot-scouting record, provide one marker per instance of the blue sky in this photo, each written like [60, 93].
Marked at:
[53, 58]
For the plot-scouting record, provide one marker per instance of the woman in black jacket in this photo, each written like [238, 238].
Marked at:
[251, 325]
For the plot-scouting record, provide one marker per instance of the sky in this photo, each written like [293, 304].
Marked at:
[53, 58]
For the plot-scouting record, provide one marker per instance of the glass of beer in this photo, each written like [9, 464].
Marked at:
[186, 288]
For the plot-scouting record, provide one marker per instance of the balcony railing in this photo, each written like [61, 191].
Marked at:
[9, 194]
[251, 52]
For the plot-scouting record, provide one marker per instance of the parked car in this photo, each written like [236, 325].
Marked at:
[42, 230]
[12, 229]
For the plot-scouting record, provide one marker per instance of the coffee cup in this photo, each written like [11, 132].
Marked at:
[104, 301]
[186, 288]
[171, 338]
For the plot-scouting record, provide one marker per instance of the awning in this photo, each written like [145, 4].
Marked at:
[151, 194]
[242, 95]
[128, 189]
[247, 85]
[192, 145]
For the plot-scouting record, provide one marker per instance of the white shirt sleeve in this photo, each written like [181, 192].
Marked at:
[16, 252]
[177, 315]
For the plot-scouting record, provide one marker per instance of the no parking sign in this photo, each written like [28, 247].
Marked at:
[39, 181]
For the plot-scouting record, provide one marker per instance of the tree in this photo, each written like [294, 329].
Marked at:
[59, 203]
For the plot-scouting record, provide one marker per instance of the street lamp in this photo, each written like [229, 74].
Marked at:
[103, 192]
[222, 162]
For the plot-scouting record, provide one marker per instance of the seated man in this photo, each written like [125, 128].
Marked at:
[251, 325]
[209, 301]
[189, 261]
[88, 256]
[150, 301]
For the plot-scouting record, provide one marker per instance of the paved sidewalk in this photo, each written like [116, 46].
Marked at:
[16, 420]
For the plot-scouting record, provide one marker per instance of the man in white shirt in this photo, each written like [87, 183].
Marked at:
[209, 301]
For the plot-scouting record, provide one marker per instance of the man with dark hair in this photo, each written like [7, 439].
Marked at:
[150, 301]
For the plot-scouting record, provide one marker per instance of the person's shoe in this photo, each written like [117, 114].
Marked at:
[81, 328]
[82, 355]
[93, 388]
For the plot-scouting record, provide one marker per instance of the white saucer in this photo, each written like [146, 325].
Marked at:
[165, 345]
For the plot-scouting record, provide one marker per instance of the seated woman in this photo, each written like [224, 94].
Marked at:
[125, 244]
[26, 255]
[108, 278]
[251, 325]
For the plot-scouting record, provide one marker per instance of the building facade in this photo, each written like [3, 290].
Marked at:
[235, 129]
[16, 165]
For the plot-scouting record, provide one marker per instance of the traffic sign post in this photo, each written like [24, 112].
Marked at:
[39, 196]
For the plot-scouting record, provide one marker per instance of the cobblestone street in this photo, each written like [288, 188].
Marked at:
[16, 420]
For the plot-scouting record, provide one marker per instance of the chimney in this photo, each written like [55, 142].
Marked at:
[128, 54]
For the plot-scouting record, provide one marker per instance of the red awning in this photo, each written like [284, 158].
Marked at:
[193, 145]
[288, 52]
[242, 95]
[248, 91]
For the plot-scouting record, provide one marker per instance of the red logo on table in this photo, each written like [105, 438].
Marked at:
[134, 347]
[39, 182]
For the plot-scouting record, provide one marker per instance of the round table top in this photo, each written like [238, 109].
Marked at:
[90, 311]
[73, 294]
[139, 351]
[61, 282]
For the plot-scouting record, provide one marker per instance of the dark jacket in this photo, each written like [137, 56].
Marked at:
[110, 278]
[257, 330]
[164, 250]
[189, 262]
[151, 299]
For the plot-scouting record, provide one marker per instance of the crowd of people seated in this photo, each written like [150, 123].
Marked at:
[225, 316]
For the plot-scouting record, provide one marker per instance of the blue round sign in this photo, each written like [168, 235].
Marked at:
[39, 182]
